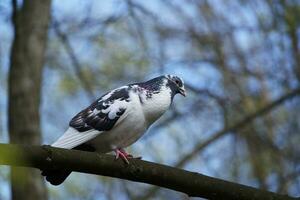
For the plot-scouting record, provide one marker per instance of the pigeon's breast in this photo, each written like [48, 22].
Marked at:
[156, 105]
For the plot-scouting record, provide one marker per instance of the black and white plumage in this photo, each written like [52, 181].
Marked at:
[117, 119]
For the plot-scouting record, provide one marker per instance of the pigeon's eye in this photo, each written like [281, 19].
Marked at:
[177, 82]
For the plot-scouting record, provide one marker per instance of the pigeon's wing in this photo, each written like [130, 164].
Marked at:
[100, 116]
[73, 138]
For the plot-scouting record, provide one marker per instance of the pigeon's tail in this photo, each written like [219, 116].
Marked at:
[58, 176]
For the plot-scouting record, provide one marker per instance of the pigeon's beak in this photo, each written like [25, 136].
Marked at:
[182, 92]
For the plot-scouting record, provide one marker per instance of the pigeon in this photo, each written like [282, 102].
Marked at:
[117, 119]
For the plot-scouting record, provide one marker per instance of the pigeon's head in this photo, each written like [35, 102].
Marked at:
[176, 84]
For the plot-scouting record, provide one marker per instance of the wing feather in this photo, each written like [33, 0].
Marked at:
[100, 116]
[72, 138]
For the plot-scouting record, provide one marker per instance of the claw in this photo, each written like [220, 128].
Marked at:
[121, 153]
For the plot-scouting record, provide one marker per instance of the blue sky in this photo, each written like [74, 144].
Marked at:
[69, 106]
[55, 123]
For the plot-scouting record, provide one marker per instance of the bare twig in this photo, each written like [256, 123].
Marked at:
[239, 125]
[233, 128]
[75, 62]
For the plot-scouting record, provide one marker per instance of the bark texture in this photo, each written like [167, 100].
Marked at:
[30, 21]
[191, 183]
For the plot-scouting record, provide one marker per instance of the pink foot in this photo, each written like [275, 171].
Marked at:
[121, 153]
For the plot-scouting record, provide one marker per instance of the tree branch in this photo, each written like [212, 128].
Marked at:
[238, 126]
[191, 183]
[86, 84]
[233, 128]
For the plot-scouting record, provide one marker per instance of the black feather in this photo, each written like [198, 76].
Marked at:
[88, 120]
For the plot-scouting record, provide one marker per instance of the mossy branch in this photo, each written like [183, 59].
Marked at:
[190, 183]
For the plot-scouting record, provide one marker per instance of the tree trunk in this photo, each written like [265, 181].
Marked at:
[30, 21]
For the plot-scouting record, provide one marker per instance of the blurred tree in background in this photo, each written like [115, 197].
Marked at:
[236, 58]
[30, 21]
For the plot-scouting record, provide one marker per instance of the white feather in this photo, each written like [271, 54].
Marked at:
[72, 138]
[114, 108]
[155, 106]
[105, 97]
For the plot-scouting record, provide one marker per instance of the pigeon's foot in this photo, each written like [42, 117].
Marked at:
[121, 153]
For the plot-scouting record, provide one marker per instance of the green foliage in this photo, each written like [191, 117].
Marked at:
[68, 84]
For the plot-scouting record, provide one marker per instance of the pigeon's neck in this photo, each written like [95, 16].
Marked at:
[156, 104]
[154, 84]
